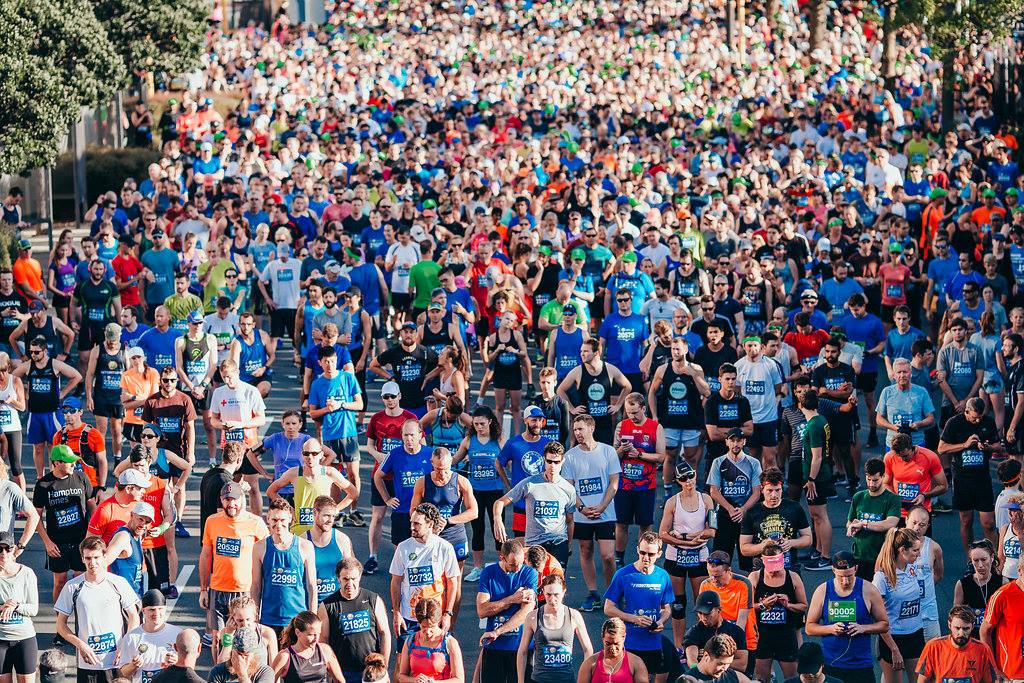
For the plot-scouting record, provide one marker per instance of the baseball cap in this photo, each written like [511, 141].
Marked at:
[735, 433]
[232, 490]
[63, 453]
[568, 309]
[808, 294]
[195, 318]
[134, 351]
[937, 193]
[532, 411]
[153, 598]
[245, 640]
[7, 539]
[864, 237]
[391, 388]
[707, 601]
[24, 244]
[578, 254]
[824, 244]
[435, 306]
[144, 509]
[36, 305]
[333, 267]
[810, 658]
[409, 326]
[159, 233]
[895, 248]
[629, 257]
[844, 559]
[133, 477]
[71, 403]
[684, 471]
[987, 193]
[206, 146]
[720, 557]
[112, 332]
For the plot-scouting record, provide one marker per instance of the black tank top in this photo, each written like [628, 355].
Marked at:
[687, 286]
[595, 391]
[353, 633]
[436, 341]
[755, 307]
[976, 597]
[507, 361]
[776, 617]
[107, 381]
[43, 388]
[679, 405]
[47, 331]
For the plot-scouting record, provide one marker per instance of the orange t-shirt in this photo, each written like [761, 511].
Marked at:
[551, 567]
[28, 273]
[231, 542]
[141, 387]
[154, 495]
[93, 439]
[109, 516]
[1005, 613]
[907, 479]
[941, 660]
[736, 595]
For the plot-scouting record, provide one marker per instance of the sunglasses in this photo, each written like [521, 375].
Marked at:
[168, 380]
[643, 553]
[388, 397]
[552, 462]
[687, 477]
[708, 310]
[35, 353]
[68, 411]
[624, 300]
[312, 452]
[149, 436]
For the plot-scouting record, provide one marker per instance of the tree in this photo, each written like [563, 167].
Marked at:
[156, 35]
[817, 17]
[55, 58]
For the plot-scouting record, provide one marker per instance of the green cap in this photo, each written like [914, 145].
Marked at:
[629, 257]
[63, 453]
[988, 193]
[938, 193]
[577, 254]
[895, 248]
[835, 221]
[1013, 191]
[544, 249]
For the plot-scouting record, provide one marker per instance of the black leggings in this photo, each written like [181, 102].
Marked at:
[157, 566]
[485, 505]
[12, 453]
[19, 656]
[356, 354]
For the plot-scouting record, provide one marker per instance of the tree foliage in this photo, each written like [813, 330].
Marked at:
[55, 58]
[156, 35]
[952, 30]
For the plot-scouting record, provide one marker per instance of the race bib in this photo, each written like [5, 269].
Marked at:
[228, 547]
[972, 457]
[169, 424]
[420, 576]
[325, 587]
[306, 516]
[482, 470]
[591, 487]
[546, 509]
[234, 435]
[962, 369]
[284, 576]
[774, 616]
[907, 491]
[754, 387]
[633, 470]
[68, 516]
[102, 643]
[728, 411]
[842, 611]
[110, 380]
[688, 557]
[556, 655]
[285, 275]
[894, 291]
[355, 622]
[910, 608]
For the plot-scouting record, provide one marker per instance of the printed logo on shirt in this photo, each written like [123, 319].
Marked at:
[532, 462]
[228, 547]
[595, 392]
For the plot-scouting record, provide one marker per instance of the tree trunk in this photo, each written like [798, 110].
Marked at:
[948, 82]
[818, 20]
[889, 46]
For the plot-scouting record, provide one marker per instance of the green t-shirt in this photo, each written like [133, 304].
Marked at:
[216, 282]
[552, 312]
[818, 434]
[423, 280]
[867, 544]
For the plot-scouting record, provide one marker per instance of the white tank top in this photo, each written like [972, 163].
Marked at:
[447, 387]
[9, 419]
[1011, 550]
[926, 580]
[686, 522]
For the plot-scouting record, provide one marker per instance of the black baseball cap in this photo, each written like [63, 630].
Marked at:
[844, 559]
[810, 658]
[707, 601]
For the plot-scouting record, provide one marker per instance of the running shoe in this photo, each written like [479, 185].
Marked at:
[371, 565]
[941, 507]
[818, 565]
[592, 602]
[171, 592]
[355, 518]
[180, 531]
[474, 575]
[341, 521]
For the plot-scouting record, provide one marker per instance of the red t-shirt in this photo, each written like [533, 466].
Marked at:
[895, 278]
[480, 283]
[1006, 614]
[941, 660]
[109, 516]
[126, 268]
[386, 432]
[908, 479]
[807, 346]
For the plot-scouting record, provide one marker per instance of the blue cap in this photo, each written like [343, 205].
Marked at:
[532, 411]
[71, 403]
[195, 317]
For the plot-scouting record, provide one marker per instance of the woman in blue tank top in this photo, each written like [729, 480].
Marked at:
[902, 595]
[446, 426]
[453, 496]
[481, 448]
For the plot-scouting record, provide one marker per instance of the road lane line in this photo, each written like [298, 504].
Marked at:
[184, 574]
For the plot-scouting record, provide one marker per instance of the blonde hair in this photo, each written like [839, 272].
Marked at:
[613, 627]
[895, 541]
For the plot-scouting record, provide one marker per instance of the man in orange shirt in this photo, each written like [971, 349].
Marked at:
[114, 512]
[28, 274]
[982, 216]
[734, 592]
[225, 562]
[914, 473]
[956, 656]
[1003, 627]
[86, 441]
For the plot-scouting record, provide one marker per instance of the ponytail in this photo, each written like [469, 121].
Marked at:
[299, 623]
[895, 541]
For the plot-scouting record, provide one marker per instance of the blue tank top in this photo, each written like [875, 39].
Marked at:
[448, 502]
[130, 568]
[251, 357]
[449, 436]
[844, 652]
[284, 584]
[308, 313]
[357, 330]
[327, 559]
[902, 601]
[364, 276]
[483, 468]
[567, 351]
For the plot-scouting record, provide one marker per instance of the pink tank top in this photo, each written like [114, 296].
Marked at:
[620, 675]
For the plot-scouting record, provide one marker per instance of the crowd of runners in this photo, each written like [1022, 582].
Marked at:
[637, 306]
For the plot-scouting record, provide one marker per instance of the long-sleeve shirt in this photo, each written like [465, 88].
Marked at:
[23, 587]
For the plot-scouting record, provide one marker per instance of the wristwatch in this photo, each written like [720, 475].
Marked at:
[19, 545]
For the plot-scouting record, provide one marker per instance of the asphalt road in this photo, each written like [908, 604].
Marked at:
[185, 612]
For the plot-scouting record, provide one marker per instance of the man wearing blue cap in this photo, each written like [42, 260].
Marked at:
[195, 359]
[85, 440]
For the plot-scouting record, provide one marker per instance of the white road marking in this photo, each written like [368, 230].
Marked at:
[184, 574]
